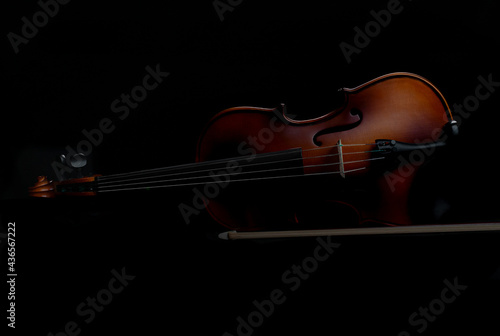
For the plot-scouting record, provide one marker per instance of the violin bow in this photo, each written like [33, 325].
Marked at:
[410, 229]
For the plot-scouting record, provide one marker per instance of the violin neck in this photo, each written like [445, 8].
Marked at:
[222, 171]
[276, 165]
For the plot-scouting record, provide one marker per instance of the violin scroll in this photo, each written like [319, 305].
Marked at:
[42, 188]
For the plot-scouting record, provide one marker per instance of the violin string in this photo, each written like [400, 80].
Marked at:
[219, 162]
[341, 145]
[103, 182]
[117, 182]
[208, 163]
[240, 180]
[238, 174]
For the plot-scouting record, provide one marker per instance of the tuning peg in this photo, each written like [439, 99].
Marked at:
[75, 161]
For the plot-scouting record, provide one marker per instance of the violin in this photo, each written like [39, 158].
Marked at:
[260, 169]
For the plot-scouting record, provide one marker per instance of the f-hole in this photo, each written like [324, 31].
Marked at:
[339, 128]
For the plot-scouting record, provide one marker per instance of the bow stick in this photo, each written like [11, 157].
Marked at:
[446, 228]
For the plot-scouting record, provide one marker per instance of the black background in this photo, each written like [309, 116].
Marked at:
[261, 54]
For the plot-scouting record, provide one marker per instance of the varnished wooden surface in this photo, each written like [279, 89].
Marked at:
[400, 106]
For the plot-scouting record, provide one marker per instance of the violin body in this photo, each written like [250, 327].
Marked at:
[370, 187]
